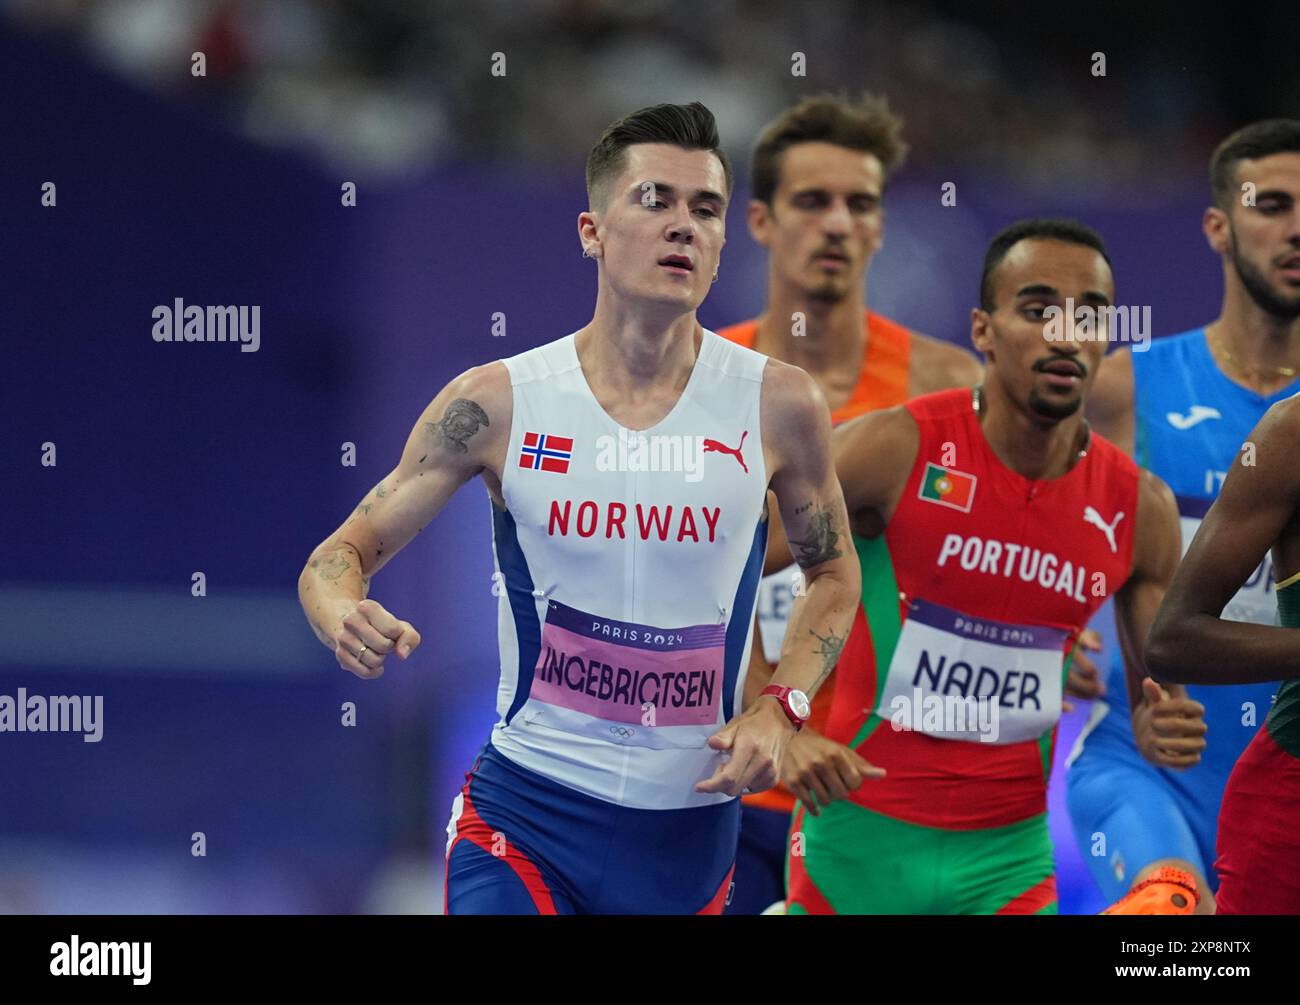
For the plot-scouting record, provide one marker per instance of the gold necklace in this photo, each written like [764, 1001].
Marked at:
[1279, 371]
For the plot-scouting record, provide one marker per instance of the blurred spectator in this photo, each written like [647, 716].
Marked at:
[388, 86]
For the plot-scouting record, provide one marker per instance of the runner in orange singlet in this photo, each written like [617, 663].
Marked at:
[818, 176]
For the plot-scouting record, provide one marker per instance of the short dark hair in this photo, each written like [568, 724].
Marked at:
[691, 127]
[1259, 139]
[1070, 231]
[866, 125]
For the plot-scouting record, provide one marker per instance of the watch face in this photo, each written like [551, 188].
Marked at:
[799, 702]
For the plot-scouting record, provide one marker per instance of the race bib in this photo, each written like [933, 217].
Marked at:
[958, 677]
[628, 683]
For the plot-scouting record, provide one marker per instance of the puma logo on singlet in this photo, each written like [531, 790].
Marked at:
[711, 446]
[1197, 414]
[1091, 516]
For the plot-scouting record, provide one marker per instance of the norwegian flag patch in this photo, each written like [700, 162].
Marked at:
[546, 452]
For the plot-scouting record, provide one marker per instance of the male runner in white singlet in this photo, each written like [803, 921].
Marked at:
[627, 465]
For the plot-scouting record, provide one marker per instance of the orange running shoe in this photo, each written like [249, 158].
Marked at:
[1165, 891]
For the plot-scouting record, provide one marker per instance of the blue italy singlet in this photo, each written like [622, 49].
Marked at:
[1191, 423]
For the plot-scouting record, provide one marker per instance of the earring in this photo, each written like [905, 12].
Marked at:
[715, 277]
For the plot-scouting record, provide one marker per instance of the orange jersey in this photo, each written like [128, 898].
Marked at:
[882, 383]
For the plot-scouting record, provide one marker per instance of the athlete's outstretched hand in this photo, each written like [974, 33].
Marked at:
[819, 771]
[1169, 727]
[1085, 678]
[755, 740]
[369, 625]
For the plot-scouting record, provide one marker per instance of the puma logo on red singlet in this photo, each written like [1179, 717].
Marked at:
[722, 448]
[1091, 516]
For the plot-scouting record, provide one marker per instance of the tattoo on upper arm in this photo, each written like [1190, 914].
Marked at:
[461, 421]
[820, 542]
[361, 510]
[364, 508]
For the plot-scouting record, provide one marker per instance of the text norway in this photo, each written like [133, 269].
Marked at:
[650, 520]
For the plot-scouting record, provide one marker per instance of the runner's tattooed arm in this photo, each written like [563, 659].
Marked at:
[452, 441]
[873, 456]
[797, 429]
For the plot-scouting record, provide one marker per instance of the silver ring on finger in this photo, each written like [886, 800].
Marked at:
[362, 652]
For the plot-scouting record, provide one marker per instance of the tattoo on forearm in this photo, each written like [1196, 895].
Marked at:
[829, 646]
[332, 566]
[821, 542]
[461, 421]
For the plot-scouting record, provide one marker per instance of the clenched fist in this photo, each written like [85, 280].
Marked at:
[367, 634]
[1169, 727]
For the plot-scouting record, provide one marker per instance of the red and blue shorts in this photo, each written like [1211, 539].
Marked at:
[520, 843]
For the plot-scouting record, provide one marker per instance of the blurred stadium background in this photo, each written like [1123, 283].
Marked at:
[222, 713]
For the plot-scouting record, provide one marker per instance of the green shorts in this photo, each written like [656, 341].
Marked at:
[856, 861]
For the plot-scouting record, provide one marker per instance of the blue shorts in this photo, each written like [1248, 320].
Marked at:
[760, 860]
[1127, 813]
[519, 843]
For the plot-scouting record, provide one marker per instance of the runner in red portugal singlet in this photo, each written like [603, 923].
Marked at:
[990, 525]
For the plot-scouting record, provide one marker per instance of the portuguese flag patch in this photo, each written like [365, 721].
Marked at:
[947, 487]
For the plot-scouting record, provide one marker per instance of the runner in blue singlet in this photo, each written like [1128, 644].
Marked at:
[1184, 408]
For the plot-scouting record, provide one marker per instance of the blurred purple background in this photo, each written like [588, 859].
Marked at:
[222, 713]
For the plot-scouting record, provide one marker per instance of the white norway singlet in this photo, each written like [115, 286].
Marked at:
[630, 562]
